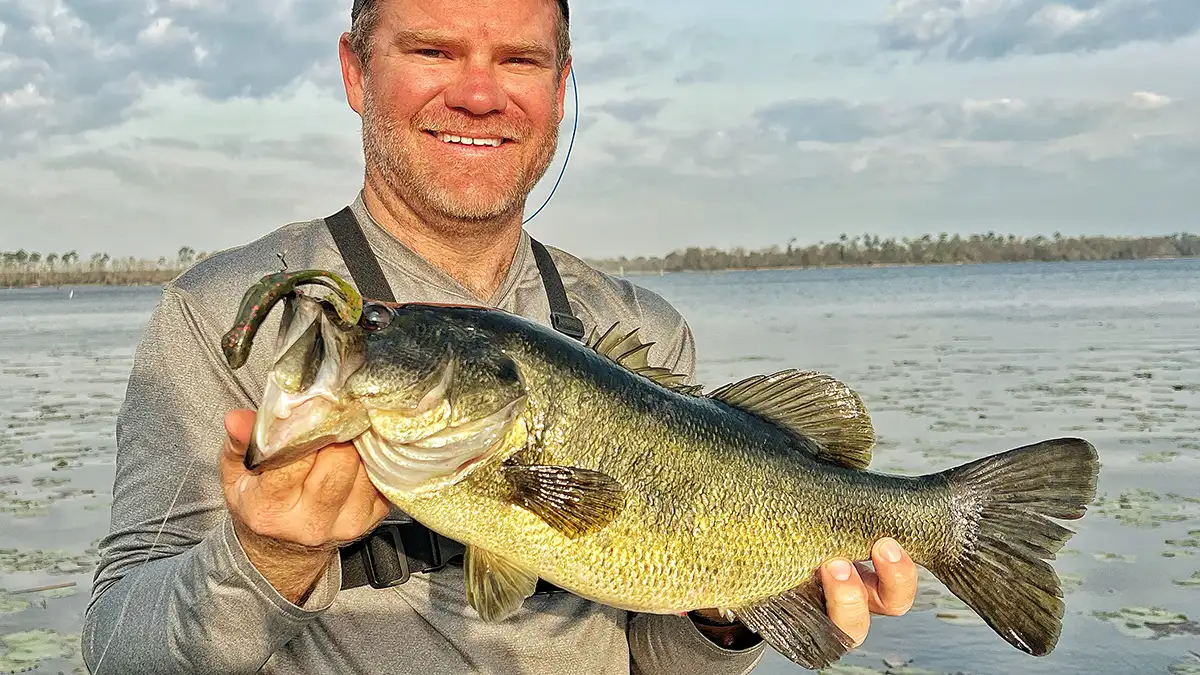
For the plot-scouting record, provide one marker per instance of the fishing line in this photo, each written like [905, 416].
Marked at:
[575, 128]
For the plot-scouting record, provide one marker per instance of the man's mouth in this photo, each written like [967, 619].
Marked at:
[492, 141]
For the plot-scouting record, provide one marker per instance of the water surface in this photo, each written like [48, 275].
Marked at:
[954, 362]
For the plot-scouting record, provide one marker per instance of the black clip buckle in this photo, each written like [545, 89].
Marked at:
[393, 530]
[568, 324]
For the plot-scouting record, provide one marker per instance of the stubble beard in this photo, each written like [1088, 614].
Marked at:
[412, 179]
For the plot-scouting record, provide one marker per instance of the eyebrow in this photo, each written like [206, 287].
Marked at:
[415, 38]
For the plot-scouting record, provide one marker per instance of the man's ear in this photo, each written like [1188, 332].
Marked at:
[352, 73]
[562, 90]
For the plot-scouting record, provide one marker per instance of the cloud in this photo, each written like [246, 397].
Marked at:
[998, 120]
[966, 30]
[633, 111]
[72, 67]
[149, 196]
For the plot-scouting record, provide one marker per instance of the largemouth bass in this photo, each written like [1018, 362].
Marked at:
[583, 465]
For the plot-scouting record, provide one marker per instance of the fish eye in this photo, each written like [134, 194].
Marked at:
[376, 317]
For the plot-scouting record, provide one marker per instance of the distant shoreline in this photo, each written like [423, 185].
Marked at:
[54, 279]
[840, 266]
[10, 279]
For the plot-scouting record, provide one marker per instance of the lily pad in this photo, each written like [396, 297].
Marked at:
[26, 650]
[1183, 547]
[1115, 557]
[11, 604]
[848, 669]
[960, 617]
[1143, 508]
[1149, 623]
[1070, 582]
[1188, 666]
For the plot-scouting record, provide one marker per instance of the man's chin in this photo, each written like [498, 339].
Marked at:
[472, 208]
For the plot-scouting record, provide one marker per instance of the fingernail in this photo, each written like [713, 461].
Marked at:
[890, 550]
[840, 569]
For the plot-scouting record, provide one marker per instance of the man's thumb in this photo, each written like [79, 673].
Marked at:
[239, 424]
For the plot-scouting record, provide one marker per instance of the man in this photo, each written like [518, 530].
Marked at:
[210, 569]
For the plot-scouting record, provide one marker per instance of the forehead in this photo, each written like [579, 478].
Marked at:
[507, 15]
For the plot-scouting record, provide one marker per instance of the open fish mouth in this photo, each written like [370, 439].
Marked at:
[320, 344]
[303, 407]
[420, 413]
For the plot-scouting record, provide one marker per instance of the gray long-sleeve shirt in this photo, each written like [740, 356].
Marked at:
[175, 593]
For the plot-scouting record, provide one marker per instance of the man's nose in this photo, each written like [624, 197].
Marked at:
[477, 90]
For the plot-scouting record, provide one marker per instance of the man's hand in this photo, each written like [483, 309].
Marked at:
[853, 592]
[291, 520]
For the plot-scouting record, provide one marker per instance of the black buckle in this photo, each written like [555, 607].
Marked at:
[568, 324]
[393, 530]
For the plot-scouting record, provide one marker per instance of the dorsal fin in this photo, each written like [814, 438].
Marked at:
[627, 350]
[811, 404]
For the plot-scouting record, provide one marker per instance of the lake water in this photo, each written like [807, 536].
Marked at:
[954, 363]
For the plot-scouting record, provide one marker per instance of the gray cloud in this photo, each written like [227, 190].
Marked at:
[77, 65]
[618, 61]
[1016, 120]
[962, 30]
[634, 111]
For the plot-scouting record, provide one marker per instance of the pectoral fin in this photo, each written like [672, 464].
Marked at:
[795, 624]
[572, 500]
[496, 587]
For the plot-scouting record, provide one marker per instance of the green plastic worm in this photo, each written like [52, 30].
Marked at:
[262, 296]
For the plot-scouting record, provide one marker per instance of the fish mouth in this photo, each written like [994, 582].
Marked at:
[303, 407]
[421, 410]
[320, 343]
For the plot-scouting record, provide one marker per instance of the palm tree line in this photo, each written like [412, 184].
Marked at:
[31, 268]
[872, 250]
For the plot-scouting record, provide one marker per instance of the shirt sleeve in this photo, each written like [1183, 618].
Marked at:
[661, 644]
[174, 592]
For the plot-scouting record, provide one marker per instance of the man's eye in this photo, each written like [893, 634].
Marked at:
[432, 53]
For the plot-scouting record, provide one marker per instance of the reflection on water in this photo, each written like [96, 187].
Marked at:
[954, 362]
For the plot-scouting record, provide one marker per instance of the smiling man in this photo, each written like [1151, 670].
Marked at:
[305, 568]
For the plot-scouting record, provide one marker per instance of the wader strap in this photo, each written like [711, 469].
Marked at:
[561, 316]
[356, 251]
[393, 551]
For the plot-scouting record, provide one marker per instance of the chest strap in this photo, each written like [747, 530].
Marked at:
[395, 550]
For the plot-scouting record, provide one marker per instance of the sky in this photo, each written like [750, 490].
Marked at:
[135, 127]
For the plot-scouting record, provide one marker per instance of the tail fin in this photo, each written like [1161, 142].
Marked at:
[1005, 502]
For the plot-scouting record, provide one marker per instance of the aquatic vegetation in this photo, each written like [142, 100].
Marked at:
[1161, 457]
[11, 603]
[1149, 623]
[1189, 665]
[1183, 547]
[51, 562]
[27, 650]
[888, 667]
[1145, 508]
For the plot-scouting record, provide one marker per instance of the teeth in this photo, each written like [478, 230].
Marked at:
[450, 138]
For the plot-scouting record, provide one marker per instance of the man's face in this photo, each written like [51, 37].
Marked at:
[460, 102]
